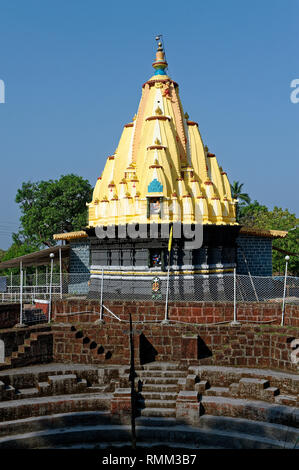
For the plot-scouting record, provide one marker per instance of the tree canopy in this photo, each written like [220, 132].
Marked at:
[50, 207]
[243, 198]
[256, 215]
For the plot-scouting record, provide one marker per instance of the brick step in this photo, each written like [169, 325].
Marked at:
[201, 386]
[8, 392]
[159, 395]
[259, 384]
[158, 412]
[21, 350]
[112, 436]
[271, 393]
[156, 403]
[160, 380]
[218, 392]
[96, 389]
[159, 388]
[155, 422]
[35, 336]
[161, 366]
[26, 393]
[41, 406]
[255, 410]
[161, 373]
[43, 388]
[289, 400]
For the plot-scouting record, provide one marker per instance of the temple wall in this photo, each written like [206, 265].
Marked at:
[79, 266]
[258, 252]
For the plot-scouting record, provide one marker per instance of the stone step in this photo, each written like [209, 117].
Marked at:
[41, 406]
[201, 386]
[104, 436]
[158, 412]
[36, 424]
[250, 383]
[218, 392]
[289, 400]
[161, 366]
[159, 388]
[159, 395]
[162, 373]
[156, 403]
[26, 393]
[155, 422]
[271, 393]
[43, 388]
[96, 389]
[8, 392]
[252, 409]
[21, 350]
[160, 380]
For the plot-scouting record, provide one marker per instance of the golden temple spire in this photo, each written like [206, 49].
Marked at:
[161, 154]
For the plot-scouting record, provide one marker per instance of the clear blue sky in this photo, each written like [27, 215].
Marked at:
[73, 71]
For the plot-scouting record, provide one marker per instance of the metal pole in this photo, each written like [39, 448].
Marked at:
[21, 297]
[167, 293]
[284, 290]
[132, 380]
[168, 272]
[60, 272]
[235, 322]
[50, 297]
[101, 306]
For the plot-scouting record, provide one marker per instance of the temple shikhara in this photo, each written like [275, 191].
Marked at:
[160, 174]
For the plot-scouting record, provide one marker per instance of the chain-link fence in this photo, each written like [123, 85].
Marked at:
[172, 287]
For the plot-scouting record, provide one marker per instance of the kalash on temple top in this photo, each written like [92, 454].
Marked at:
[161, 172]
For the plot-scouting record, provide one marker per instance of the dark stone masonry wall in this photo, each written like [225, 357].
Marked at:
[9, 315]
[79, 267]
[258, 252]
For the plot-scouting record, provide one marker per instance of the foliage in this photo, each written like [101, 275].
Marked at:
[256, 215]
[50, 207]
[16, 250]
[2, 253]
[243, 198]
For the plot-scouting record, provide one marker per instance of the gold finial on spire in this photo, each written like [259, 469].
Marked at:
[160, 63]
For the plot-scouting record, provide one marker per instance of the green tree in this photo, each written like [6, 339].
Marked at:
[50, 207]
[2, 253]
[256, 215]
[243, 198]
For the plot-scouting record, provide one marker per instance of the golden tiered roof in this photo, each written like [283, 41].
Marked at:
[161, 156]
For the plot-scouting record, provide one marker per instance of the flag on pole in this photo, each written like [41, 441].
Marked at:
[170, 239]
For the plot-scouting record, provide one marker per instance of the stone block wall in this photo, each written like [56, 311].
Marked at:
[79, 266]
[258, 252]
[9, 315]
[190, 312]
[81, 340]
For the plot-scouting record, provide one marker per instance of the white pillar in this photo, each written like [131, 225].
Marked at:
[287, 258]
[235, 322]
[50, 296]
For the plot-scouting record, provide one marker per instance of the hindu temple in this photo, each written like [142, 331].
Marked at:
[160, 175]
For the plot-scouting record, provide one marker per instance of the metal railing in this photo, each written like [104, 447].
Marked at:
[165, 288]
